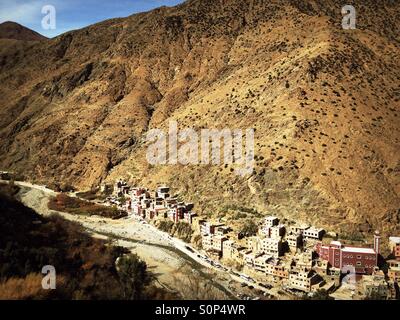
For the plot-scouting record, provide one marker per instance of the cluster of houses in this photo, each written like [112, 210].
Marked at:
[296, 256]
[154, 204]
[262, 255]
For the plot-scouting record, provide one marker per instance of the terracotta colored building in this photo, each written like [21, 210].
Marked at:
[348, 258]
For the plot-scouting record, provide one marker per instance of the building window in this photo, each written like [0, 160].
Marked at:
[358, 257]
[358, 263]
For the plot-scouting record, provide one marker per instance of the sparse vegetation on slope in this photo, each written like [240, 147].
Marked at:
[181, 230]
[324, 103]
[64, 203]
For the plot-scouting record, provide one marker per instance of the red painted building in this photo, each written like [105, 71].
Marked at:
[178, 213]
[137, 192]
[363, 260]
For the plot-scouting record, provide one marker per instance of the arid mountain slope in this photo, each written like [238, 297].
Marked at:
[324, 102]
[12, 30]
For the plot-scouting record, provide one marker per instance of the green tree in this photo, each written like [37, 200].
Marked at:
[134, 276]
[321, 294]
[250, 228]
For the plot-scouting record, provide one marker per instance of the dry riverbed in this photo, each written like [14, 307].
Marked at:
[173, 269]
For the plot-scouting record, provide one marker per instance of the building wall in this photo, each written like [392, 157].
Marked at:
[300, 281]
[394, 275]
[362, 262]
[313, 233]
[271, 246]
[227, 250]
[396, 251]
[281, 272]
[271, 221]
[338, 257]
[206, 242]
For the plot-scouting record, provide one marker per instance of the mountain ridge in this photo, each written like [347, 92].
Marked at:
[326, 141]
[14, 31]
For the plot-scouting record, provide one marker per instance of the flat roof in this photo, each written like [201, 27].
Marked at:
[316, 229]
[393, 261]
[358, 250]
[395, 239]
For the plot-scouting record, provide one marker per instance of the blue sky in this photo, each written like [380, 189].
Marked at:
[73, 14]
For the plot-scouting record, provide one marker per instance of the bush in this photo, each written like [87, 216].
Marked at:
[133, 276]
[250, 228]
[77, 206]
[181, 230]
[85, 266]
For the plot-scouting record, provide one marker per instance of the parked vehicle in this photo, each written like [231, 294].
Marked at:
[189, 248]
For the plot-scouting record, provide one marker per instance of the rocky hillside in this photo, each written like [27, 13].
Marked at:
[12, 30]
[324, 102]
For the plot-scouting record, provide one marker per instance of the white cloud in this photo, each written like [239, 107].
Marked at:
[24, 13]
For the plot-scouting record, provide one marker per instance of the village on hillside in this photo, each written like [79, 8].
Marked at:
[299, 259]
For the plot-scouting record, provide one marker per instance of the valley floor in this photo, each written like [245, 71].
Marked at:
[175, 268]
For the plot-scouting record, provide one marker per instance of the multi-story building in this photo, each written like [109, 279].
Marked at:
[261, 262]
[121, 188]
[271, 228]
[271, 221]
[177, 213]
[271, 246]
[222, 230]
[304, 260]
[253, 243]
[207, 241]
[281, 271]
[207, 227]
[170, 202]
[189, 216]
[213, 242]
[163, 192]
[298, 228]
[233, 251]
[137, 192]
[322, 267]
[303, 279]
[218, 242]
[249, 258]
[313, 233]
[158, 204]
[349, 258]
[277, 231]
[295, 241]
[394, 270]
[394, 243]
[270, 268]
